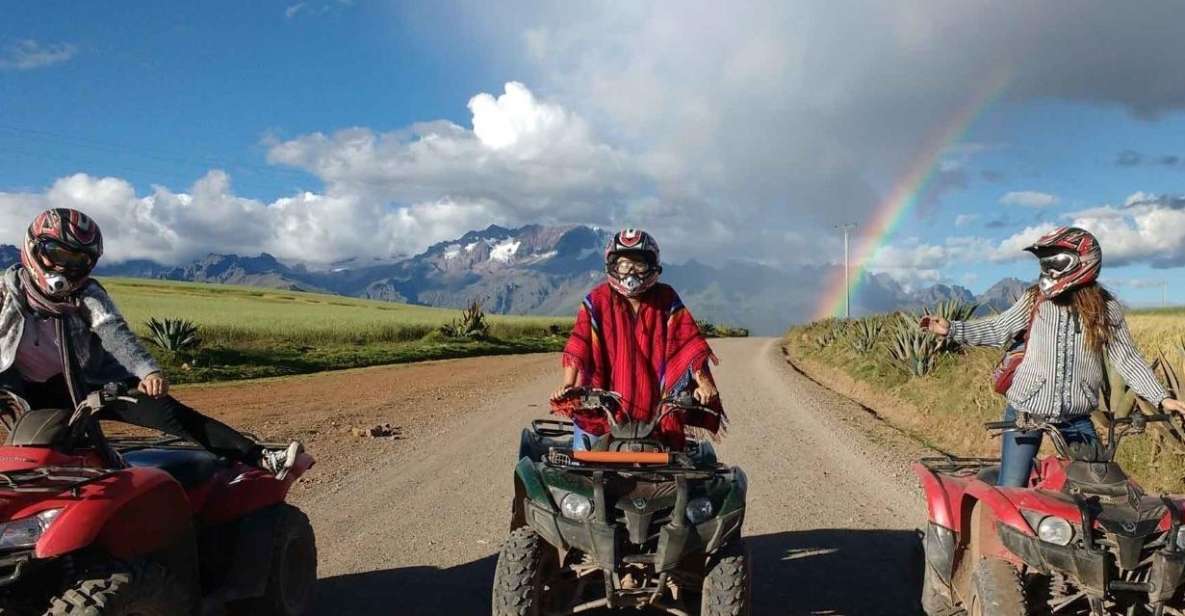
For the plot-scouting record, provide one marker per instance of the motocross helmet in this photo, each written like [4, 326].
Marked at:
[628, 280]
[1070, 257]
[61, 249]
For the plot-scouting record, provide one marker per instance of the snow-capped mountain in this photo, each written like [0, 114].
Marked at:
[547, 271]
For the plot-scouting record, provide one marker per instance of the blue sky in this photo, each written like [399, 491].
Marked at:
[742, 131]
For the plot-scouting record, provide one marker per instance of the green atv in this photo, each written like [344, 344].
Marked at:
[625, 522]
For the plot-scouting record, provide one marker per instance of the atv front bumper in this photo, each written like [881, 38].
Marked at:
[1090, 568]
[603, 542]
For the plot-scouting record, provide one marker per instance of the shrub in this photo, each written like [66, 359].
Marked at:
[912, 349]
[866, 334]
[472, 324]
[173, 335]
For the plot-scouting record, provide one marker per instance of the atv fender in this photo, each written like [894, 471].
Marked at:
[135, 512]
[937, 491]
[527, 476]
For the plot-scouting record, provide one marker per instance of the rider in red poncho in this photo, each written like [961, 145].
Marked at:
[634, 336]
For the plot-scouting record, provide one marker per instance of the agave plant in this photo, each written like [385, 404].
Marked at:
[472, 324]
[1119, 400]
[912, 349]
[173, 335]
[829, 331]
[867, 332]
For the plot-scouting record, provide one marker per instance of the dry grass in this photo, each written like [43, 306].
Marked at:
[948, 408]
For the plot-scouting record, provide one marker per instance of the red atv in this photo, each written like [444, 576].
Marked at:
[1081, 539]
[145, 527]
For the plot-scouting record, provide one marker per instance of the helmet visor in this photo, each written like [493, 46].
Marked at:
[1058, 263]
[60, 257]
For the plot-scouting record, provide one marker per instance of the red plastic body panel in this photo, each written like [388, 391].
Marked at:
[242, 489]
[136, 511]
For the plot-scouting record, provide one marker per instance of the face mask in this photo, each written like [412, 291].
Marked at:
[631, 283]
[57, 285]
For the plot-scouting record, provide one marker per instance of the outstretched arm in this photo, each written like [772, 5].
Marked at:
[992, 331]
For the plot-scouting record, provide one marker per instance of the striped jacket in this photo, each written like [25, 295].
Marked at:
[1059, 375]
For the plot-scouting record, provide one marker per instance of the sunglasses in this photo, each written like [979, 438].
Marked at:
[62, 258]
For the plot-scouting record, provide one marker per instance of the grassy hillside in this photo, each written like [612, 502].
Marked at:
[252, 332]
[947, 407]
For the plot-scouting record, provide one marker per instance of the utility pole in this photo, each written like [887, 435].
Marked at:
[847, 282]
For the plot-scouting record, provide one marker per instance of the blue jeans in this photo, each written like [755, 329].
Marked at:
[1020, 448]
[578, 438]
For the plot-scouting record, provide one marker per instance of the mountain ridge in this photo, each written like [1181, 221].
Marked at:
[547, 270]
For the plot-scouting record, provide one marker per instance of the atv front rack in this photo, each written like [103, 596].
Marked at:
[53, 479]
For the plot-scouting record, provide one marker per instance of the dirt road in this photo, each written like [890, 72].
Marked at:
[412, 526]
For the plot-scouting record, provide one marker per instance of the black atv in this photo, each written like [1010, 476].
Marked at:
[625, 522]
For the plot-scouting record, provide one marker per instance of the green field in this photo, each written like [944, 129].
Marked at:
[947, 408]
[252, 332]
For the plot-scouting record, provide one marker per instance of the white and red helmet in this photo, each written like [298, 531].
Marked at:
[1070, 257]
[636, 243]
[61, 249]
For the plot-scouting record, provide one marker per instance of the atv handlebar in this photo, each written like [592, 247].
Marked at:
[97, 400]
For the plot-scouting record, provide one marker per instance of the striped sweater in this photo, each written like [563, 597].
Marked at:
[1060, 376]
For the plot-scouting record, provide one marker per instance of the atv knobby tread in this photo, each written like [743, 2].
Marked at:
[727, 583]
[517, 583]
[105, 590]
[996, 584]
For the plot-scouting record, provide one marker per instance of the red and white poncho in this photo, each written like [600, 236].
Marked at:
[644, 357]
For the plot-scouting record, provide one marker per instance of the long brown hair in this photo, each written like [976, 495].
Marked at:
[1089, 304]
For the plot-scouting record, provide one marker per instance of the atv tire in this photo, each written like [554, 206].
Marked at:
[727, 589]
[520, 574]
[134, 589]
[292, 573]
[995, 590]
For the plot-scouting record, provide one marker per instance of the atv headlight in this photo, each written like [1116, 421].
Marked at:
[576, 507]
[699, 510]
[1055, 530]
[26, 532]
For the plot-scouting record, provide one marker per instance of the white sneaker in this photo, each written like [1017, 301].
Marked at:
[280, 461]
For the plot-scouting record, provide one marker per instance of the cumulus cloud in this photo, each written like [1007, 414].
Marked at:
[28, 54]
[174, 227]
[523, 160]
[1029, 198]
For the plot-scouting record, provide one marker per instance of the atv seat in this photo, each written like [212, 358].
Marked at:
[188, 466]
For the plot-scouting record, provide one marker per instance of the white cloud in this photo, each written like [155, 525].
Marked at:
[293, 10]
[29, 54]
[1029, 198]
[963, 220]
[174, 227]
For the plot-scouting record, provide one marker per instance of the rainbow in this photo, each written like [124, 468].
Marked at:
[874, 234]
